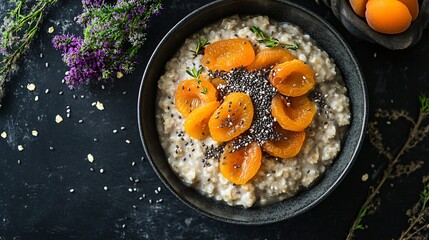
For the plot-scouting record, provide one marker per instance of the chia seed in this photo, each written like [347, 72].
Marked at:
[255, 84]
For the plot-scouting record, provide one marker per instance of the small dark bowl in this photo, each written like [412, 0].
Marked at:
[359, 28]
[326, 37]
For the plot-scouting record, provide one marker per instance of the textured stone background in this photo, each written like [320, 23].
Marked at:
[35, 198]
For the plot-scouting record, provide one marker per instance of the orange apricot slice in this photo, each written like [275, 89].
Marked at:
[269, 57]
[387, 16]
[196, 123]
[287, 145]
[190, 95]
[413, 7]
[227, 54]
[241, 165]
[292, 78]
[233, 117]
[359, 7]
[217, 81]
[293, 113]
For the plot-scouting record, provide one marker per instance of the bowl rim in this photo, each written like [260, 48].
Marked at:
[359, 138]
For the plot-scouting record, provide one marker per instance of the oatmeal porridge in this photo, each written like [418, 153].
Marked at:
[197, 160]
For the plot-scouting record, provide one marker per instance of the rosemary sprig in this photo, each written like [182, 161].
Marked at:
[201, 43]
[361, 215]
[271, 41]
[424, 103]
[419, 217]
[16, 34]
[196, 73]
[416, 135]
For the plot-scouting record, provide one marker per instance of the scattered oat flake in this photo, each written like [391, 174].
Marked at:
[4, 135]
[58, 119]
[119, 75]
[31, 87]
[34, 133]
[51, 30]
[365, 177]
[99, 106]
[20, 148]
[90, 158]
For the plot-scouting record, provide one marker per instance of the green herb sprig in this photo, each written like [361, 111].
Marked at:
[18, 30]
[201, 43]
[271, 41]
[196, 73]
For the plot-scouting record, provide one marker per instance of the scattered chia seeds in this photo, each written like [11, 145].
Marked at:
[257, 86]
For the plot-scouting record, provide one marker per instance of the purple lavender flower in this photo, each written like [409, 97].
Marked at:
[92, 3]
[110, 44]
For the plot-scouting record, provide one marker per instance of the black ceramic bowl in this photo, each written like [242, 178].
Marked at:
[327, 38]
[358, 26]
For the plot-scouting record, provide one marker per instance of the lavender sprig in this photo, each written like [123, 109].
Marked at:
[112, 36]
[17, 32]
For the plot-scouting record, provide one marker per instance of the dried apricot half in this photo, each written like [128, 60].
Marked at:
[241, 165]
[196, 123]
[227, 54]
[293, 113]
[232, 118]
[269, 57]
[287, 145]
[292, 78]
[191, 94]
[217, 81]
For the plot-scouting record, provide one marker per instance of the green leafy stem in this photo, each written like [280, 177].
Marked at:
[201, 43]
[23, 26]
[196, 73]
[271, 41]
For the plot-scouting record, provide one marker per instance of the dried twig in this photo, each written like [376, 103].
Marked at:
[416, 135]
